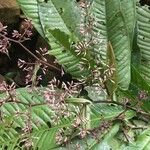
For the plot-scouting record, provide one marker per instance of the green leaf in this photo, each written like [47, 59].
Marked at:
[45, 138]
[104, 143]
[143, 25]
[101, 112]
[111, 83]
[129, 9]
[40, 113]
[70, 13]
[142, 141]
[115, 22]
[50, 17]
[30, 9]
[66, 57]
[95, 94]
[117, 30]
[51, 21]
[58, 35]
[15, 115]
[138, 80]
[99, 29]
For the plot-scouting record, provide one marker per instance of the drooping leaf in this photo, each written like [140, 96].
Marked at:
[30, 9]
[99, 29]
[112, 23]
[143, 25]
[47, 17]
[119, 37]
[66, 57]
[129, 9]
[51, 19]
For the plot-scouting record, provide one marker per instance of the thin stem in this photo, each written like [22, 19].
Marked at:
[33, 55]
[25, 31]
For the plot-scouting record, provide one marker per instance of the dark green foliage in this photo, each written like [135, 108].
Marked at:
[115, 111]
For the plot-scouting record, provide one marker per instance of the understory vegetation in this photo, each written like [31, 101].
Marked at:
[99, 97]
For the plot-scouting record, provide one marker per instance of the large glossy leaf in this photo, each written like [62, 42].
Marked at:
[115, 23]
[51, 19]
[119, 37]
[57, 23]
[129, 13]
[144, 40]
[99, 29]
[69, 12]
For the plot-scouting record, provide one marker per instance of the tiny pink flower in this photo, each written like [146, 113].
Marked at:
[16, 34]
[2, 28]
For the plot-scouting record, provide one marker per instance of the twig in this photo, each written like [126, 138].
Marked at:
[33, 55]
